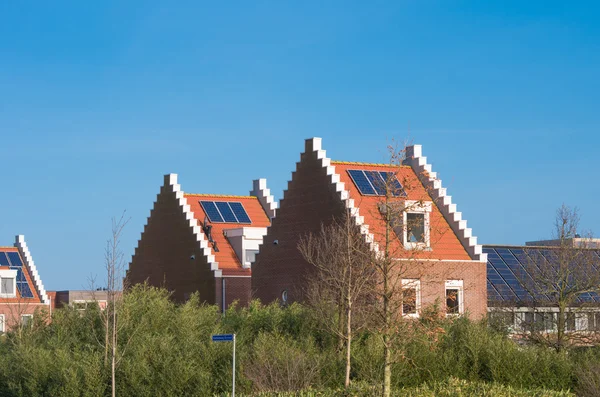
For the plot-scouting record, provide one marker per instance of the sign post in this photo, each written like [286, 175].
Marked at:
[228, 338]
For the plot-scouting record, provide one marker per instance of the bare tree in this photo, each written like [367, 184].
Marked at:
[404, 245]
[115, 270]
[560, 280]
[338, 288]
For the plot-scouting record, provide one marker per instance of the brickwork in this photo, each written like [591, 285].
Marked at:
[12, 312]
[168, 254]
[433, 275]
[309, 201]
[236, 289]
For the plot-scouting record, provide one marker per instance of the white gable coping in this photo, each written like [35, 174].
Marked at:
[418, 162]
[171, 187]
[266, 199]
[37, 280]
[313, 145]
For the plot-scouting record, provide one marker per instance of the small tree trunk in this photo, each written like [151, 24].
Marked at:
[387, 370]
[560, 334]
[348, 342]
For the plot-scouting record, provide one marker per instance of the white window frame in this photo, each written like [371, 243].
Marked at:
[2, 323]
[9, 273]
[416, 284]
[416, 207]
[29, 316]
[455, 284]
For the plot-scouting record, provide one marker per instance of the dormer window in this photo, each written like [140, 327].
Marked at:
[8, 283]
[410, 221]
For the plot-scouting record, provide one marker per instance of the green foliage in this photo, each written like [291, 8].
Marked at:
[165, 350]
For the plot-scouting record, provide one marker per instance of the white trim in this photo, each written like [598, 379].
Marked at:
[171, 187]
[2, 323]
[235, 276]
[9, 274]
[313, 146]
[416, 207]
[265, 198]
[416, 284]
[28, 261]
[418, 162]
[30, 316]
[455, 284]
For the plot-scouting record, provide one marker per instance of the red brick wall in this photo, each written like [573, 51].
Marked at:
[12, 312]
[309, 200]
[236, 289]
[433, 275]
[163, 254]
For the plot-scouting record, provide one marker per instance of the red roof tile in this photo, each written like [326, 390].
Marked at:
[226, 257]
[444, 243]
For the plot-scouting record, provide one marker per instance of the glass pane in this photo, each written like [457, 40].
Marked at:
[415, 228]
[409, 301]
[452, 303]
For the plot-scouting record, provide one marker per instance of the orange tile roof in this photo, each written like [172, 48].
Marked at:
[226, 257]
[18, 298]
[444, 243]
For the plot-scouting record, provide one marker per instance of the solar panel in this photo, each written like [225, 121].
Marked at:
[395, 185]
[240, 212]
[225, 211]
[362, 183]
[211, 211]
[3, 259]
[376, 181]
[15, 259]
[24, 290]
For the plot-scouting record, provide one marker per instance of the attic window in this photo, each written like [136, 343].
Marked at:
[415, 227]
[410, 221]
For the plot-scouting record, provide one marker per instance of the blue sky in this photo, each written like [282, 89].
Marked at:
[98, 100]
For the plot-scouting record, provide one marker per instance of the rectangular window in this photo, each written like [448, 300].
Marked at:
[570, 325]
[7, 286]
[454, 297]
[2, 324]
[26, 319]
[411, 297]
[415, 228]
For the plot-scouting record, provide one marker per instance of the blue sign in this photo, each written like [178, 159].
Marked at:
[222, 338]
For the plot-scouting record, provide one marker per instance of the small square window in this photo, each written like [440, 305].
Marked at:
[415, 228]
[26, 320]
[7, 286]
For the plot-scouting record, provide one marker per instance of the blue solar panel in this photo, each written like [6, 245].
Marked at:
[3, 259]
[211, 211]
[376, 181]
[24, 290]
[395, 186]
[240, 212]
[15, 259]
[226, 211]
[20, 274]
[361, 182]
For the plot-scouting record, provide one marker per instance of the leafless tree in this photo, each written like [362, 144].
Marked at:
[114, 265]
[338, 288]
[404, 247]
[560, 280]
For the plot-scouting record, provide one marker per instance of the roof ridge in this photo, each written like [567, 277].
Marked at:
[7, 246]
[217, 195]
[369, 164]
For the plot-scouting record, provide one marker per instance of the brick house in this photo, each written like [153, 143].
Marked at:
[21, 290]
[202, 243]
[445, 263]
